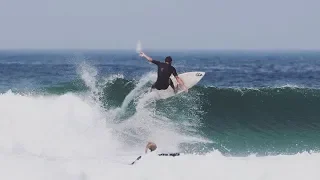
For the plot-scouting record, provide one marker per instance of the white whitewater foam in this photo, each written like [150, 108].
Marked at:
[138, 90]
[55, 126]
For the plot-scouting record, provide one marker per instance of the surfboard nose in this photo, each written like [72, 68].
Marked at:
[200, 73]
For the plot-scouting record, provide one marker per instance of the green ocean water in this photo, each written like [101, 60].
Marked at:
[238, 121]
[248, 102]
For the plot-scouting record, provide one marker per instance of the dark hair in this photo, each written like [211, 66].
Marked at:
[168, 59]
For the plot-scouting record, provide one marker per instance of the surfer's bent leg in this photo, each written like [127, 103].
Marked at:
[153, 86]
[159, 86]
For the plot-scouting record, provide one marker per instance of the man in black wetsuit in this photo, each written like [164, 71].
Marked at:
[164, 72]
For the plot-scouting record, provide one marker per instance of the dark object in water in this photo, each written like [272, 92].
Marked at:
[169, 154]
[162, 154]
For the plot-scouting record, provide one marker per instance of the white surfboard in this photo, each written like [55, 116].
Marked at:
[189, 78]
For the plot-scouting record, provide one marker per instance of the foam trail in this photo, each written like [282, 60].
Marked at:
[138, 89]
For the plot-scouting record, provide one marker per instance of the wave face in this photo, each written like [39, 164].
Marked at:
[240, 120]
[74, 121]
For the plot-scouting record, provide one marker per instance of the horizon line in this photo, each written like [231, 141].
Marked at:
[159, 49]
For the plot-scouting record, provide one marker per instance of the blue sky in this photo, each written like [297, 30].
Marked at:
[160, 24]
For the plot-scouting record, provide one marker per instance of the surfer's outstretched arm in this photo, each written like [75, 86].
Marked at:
[145, 56]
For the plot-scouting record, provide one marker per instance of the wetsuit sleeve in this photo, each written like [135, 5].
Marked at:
[155, 62]
[174, 72]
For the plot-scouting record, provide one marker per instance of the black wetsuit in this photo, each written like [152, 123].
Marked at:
[164, 72]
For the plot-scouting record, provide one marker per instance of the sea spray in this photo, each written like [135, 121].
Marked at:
[138, 47]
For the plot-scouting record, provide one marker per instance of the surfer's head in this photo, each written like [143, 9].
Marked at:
[168, 59]
[151, 146]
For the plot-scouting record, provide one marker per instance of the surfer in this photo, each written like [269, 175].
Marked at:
[151, 146]
[164, 72]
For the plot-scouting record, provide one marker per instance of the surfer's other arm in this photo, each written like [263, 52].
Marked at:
[179, 80]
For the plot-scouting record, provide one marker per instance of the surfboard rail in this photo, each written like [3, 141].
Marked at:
[190, 79]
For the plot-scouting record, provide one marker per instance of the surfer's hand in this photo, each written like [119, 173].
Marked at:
[184, 87]
[142, 54]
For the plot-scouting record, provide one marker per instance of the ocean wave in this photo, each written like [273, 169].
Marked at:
[269, 120]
